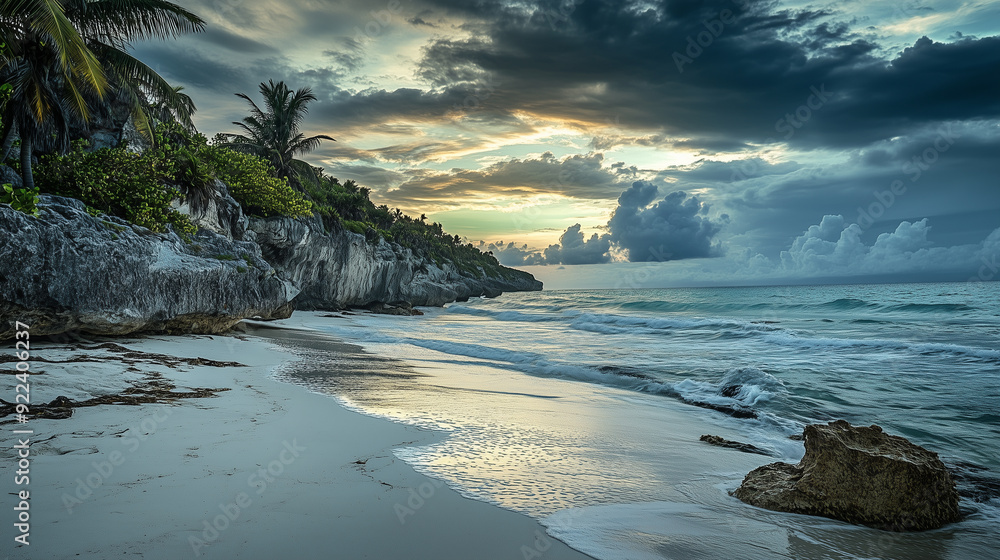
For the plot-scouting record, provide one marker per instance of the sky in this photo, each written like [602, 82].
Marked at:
[644, 143]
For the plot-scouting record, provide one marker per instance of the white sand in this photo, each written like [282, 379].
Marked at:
[165, 472]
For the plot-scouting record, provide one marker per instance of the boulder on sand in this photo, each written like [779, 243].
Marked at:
[859, 475]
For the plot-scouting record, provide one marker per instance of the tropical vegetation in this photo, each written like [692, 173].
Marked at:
[66, 59]
[65, 62]
[273, 133]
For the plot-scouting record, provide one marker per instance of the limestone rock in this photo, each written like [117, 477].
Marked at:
[342, 269]
[8, 175]
[67, 270]
[859, 475]
[215, 210]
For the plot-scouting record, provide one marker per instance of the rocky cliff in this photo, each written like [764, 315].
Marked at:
[342, 269]
[69, 270]
[335, 270]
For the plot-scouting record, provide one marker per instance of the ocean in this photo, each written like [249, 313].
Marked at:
[583, 409]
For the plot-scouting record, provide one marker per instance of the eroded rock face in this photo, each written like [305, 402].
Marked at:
[67, 270]
[215, 210]
[342, 269]
[859, 475]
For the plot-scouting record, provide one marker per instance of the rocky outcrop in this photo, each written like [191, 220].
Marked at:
[859, 475]
[215, 210]
[109, 126]
[67, 270]
[341, 269]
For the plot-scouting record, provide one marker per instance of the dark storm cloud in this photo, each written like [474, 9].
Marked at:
[218, 36]
[943, 172]
[676, 227]
[761, 68]
[596, 62]
[645, 229]
[578, 176]
[192, 67]
[574, 249]
[511, 254]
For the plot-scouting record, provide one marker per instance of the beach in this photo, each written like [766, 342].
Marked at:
[545, 425]
[262, 469]
[585, 408]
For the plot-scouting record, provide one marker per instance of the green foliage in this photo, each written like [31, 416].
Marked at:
[117, 182]
[252, 183]
[140, 187]
[6, 90]
[273, 132]
[22, 200]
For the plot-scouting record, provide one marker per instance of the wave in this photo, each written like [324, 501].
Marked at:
[588, 321]
[847, 303]
[789, 338]
[932, 307]
[505, 315]
[738, 392]
[767, 331]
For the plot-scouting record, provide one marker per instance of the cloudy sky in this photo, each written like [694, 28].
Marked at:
[645, 142]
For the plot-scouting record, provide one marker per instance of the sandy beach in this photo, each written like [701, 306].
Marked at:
[262, 469]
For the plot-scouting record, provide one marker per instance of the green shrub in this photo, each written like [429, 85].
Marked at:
[117, 182]
[355, 226]
[22, 200]
[252, 184]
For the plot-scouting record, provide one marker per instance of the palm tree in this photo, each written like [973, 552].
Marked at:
[63, 55]
[179, 109]
[110, 26]
[274, 133]
[40, 43]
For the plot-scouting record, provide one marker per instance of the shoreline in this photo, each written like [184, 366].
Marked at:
[262, 469]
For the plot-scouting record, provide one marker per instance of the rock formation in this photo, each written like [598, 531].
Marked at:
[342, 269]
[68, 270]
[337, 270]
[859, 475]
[737, 445]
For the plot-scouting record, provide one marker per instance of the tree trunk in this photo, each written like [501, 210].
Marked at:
[26, 178]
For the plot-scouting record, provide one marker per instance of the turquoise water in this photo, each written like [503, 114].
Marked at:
[921, 360]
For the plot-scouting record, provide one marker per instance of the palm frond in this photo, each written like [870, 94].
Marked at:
[120, 22]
